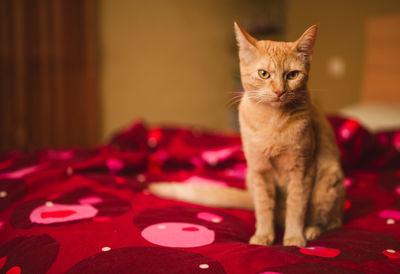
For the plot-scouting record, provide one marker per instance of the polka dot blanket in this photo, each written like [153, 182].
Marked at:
[88, 210]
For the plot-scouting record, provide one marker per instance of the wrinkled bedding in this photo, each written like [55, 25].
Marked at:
[88, 210]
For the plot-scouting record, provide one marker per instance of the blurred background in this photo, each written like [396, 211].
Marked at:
[73, 72]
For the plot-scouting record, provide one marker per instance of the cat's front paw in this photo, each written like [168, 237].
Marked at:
[296, 241]
[262, 239]
[312, 232]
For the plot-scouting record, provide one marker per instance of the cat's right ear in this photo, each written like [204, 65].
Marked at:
[305, 44]
[247, 44]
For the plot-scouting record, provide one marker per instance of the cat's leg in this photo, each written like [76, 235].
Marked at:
[326, 203]
[337, 217]
[263, 192]
[298, 192]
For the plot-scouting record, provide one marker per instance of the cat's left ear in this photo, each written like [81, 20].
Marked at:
[247, 44]
[305, 44]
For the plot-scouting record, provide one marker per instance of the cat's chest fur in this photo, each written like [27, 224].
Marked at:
[270, 136]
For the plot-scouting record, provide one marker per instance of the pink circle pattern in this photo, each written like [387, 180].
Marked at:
[51, 214]
[174, 234]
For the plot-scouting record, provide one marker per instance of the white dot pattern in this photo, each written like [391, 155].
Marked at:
[3, 194]
[106, 248]
[49, 204]
[204, 266]
[390, 221]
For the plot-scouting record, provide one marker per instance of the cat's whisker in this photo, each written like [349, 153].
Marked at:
[236, 92]
[235, 99]
[231, 104]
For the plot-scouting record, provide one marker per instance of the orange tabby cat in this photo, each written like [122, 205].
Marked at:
[294, 177]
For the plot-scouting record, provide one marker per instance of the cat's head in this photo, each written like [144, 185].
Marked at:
[275, 73]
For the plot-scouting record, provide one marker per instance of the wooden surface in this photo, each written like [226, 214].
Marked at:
[382, 66]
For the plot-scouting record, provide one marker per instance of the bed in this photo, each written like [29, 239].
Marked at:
[88, 210]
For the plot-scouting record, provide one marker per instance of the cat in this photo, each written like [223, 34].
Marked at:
[294, 177]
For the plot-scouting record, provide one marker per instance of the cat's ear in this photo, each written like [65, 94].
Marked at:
[247, 44]
[305, 44]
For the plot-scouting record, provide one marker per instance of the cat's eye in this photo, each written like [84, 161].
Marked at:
[292, 75]
[263, 74]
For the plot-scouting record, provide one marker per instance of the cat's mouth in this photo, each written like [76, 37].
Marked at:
[274, 101]
[280, 101]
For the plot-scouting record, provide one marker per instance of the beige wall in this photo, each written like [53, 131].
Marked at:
[169, 61]
[341, 34]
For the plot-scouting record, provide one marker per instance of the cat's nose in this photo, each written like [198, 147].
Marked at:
[279, 93]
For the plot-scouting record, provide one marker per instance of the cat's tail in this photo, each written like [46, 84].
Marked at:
[215, 196]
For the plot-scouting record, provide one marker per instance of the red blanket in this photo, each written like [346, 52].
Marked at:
[88, 211]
